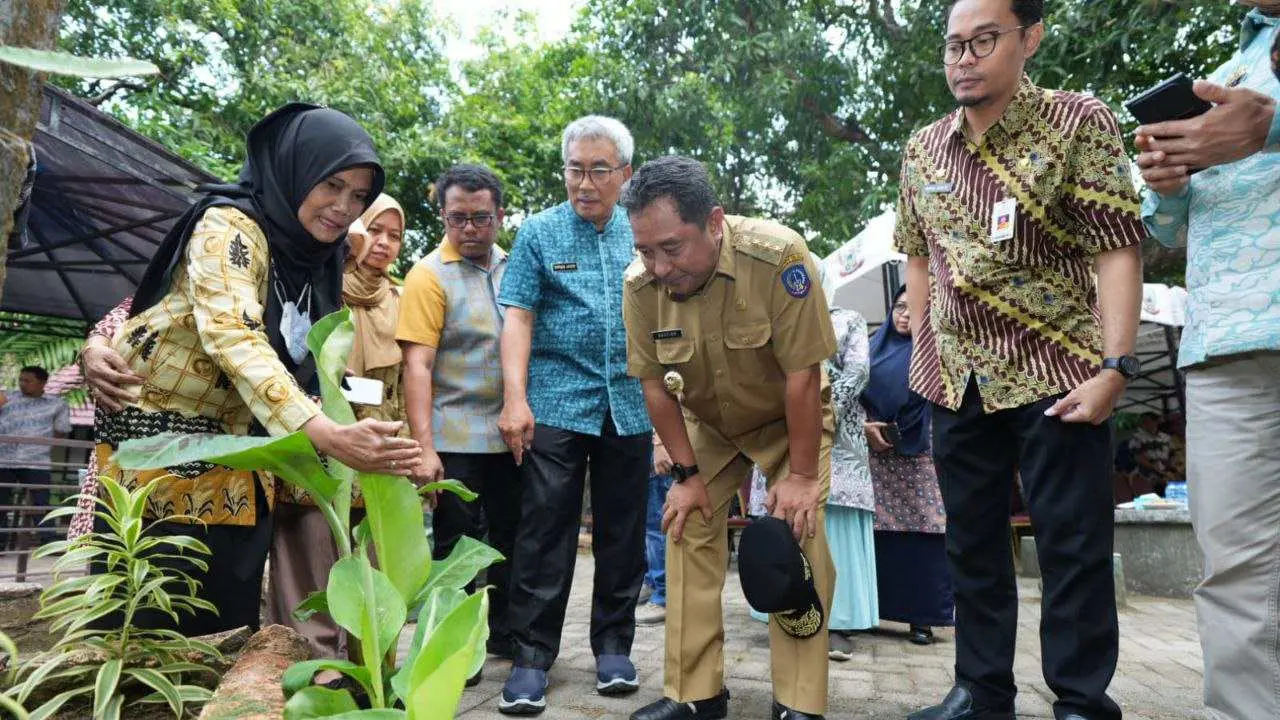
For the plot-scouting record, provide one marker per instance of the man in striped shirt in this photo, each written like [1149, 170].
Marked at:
[1009, 206]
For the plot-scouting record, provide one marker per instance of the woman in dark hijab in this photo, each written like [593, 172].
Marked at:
[216, 340]
[911, 563]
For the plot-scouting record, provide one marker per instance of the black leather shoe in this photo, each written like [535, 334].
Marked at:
[957, 705]
[920, 635]
[782, 712]
[667, 709]
[474, 680]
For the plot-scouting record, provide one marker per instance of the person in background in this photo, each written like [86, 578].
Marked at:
[1151, 449]
[1019, 217]
[1228, 216]
[569, 404]
[911, 553]
[302, 546]
[450, 327]
[654, 612]
[215, 343]
[28, 412]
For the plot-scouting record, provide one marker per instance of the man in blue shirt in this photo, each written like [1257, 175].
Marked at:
[569, 407]
[1228, 216]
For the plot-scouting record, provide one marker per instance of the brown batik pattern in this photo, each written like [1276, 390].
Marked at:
[1019, 316]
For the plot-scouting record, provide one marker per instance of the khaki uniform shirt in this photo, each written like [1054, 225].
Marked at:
[760, 316]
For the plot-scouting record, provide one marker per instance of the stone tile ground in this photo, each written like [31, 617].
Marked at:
[1158, 678]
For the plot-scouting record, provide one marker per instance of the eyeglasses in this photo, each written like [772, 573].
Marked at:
[597, 174]
[900, 307]
[980, 45]
[458, 220]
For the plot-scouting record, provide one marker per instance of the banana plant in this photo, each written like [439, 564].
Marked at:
[371, 603]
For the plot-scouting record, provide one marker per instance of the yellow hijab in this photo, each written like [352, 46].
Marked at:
[374, 305]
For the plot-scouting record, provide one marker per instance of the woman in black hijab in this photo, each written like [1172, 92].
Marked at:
[217, 340]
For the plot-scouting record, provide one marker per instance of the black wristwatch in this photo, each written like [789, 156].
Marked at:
[1128, 365]
[683, 472]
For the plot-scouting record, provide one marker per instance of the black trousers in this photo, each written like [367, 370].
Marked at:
[495, 514]
[35, 498]
[547, 543]
[1066, 476]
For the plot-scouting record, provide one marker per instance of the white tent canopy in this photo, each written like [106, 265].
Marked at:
[863, 273]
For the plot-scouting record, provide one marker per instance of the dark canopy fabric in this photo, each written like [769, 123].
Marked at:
[104, 197]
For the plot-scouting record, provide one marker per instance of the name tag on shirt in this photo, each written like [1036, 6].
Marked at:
[1003, 216]
[939, 188]
[667, 334]
[565, 267]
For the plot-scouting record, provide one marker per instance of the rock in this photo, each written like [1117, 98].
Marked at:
[18, 602]
[251, 688]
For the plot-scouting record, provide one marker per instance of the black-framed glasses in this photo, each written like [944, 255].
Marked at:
[597, 174]
[901, 307]
[980, 45]
[458, 220]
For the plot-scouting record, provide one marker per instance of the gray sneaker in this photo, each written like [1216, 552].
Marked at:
[841, 648]
[650, 614]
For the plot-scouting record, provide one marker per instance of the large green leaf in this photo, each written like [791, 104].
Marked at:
[318, 702]
[439, 604]
[376, 620]
[442, 668]
[291, 457]
[299, 675]
[395, 521]
[468, 557]
[62, 63]
[330, 341]
[370, 715]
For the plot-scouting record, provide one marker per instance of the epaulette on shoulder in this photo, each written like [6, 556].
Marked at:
[636, 275]
[768, 248]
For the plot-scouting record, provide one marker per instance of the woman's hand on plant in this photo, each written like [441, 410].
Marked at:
[367, 446]
[108, 376]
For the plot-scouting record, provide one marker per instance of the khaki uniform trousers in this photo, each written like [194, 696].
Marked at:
[696, 569]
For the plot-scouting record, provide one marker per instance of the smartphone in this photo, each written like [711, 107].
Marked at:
[362, 391]
[1172, 99]
[891, 434]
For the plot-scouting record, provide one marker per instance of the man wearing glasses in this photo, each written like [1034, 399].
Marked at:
[1008, 207]
[569, 407]
[449, 329]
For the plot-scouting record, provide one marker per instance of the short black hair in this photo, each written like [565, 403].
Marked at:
[472, 178]
[41, 374]
[1149, 416]
[1029, 12]
[682, 179]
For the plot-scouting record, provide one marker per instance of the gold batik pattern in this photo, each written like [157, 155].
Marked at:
[209, 366]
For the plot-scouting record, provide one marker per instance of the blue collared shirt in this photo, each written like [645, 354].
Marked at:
[570, 276]
[1229, 219]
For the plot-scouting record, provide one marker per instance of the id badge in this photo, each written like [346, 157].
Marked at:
[1003, 216]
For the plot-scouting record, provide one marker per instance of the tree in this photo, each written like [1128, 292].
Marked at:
[225, 64]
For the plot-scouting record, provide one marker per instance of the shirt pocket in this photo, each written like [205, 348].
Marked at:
[749, 352]
[676, 351]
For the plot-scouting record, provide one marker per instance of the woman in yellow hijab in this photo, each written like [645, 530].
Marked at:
[302, 550]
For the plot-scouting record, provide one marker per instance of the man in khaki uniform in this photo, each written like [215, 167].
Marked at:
[730, 305]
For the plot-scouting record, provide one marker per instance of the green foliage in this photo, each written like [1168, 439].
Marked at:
[61, 63]
[123, 661]
[371, 603]
[799, 107]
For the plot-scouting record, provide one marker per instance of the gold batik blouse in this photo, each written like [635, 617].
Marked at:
[209, 367]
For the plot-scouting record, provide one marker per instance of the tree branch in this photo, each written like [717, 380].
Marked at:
[885, 13]
[107, 94]
[847, 129]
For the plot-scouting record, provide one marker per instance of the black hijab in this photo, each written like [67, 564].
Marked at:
[887, 396]
[290, 151]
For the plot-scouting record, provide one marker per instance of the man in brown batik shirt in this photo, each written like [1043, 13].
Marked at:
[1009, 206]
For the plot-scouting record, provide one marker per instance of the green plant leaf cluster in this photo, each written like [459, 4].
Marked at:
[101, 658]
[371, 602]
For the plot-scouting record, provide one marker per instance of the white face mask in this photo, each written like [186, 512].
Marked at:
[295, 322]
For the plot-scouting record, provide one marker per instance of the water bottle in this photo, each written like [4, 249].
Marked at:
[1176, 492]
